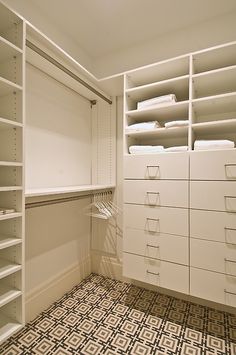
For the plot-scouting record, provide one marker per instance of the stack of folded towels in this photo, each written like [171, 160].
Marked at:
[179, 123]
[213, 144]
[152, 149]
[146, 149]
[6, 210]
[143, 126]
[157, 101]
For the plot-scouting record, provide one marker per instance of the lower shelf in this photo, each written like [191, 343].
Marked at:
[8, 327]
[8, 268]
[8, 294]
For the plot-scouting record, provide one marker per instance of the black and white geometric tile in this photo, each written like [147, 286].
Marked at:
[104, 316]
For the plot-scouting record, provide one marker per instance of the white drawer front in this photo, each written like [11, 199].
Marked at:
[157, 219]
[213, 286]
[214, 256]
[159, 246]
[213, 195]
[156, 272]
[213, 165]
[156, 193]
[157, 166]
[213, 225]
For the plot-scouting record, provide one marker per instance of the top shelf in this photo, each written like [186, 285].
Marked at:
[11, 27]
[177, 86]
[214, 58]
[158, 72]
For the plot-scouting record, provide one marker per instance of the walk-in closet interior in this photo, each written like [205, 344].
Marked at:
[117, 177]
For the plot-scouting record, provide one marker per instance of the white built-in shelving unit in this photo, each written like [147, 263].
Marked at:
[199, 185]
[204, 83]
[12, 39]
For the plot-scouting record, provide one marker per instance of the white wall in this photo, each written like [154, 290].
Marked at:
[57, 252]
[206, 34]
[58, 133]
[58, 152]
[40, 20]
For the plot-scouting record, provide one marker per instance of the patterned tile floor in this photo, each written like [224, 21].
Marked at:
[104, 316]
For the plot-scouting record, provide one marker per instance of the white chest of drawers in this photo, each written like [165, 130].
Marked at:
[156, 243]
[213, 226]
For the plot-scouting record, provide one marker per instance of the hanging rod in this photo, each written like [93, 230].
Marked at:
[65, 70]
[29, 205]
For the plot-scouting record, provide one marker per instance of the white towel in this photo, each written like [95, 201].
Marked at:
[6, 210]
[142, 126]
[160, 100]
[179, 123]
[146, 149]
[213, 144]
[180, 148]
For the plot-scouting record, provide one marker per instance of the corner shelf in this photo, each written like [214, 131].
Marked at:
[8, 268]
[10, 163]
[7, 87]
[8, 294]
[8, 327]
[10, 216]
[10, 188]
[6, 241]
[6, 124]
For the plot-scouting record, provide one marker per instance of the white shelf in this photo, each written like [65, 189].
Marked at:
[160, 132]
[8, 327]
[66, 189]
[215, 58]
[6, 241]
[10, 216]
[223, 126]
[7, 87]
[215, 82]
[8, 49]
[10, 188]
[6, 124]
[159, 71]
[8, 268]
[10, 163]
[178, 86]
[215, 104]
[8, 294]
[177, 110]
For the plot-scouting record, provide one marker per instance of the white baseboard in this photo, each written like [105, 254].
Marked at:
[41, 297]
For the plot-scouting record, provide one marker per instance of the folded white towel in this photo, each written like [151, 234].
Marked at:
[213, 144]
[6, 210]
[180, 148]
[143, 126]
[160, 100]
[179, 123]
[146, 149]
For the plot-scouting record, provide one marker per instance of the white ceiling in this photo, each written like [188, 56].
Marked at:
[101, 27]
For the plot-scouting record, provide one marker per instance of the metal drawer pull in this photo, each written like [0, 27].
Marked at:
[231, 293]
[153, 273]
[153, 246]
[228, 209]
[229, 229]
[151, 172]
[157, 194]
[153, 219]
[230, 261]
[228, 166]
[151, 225]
